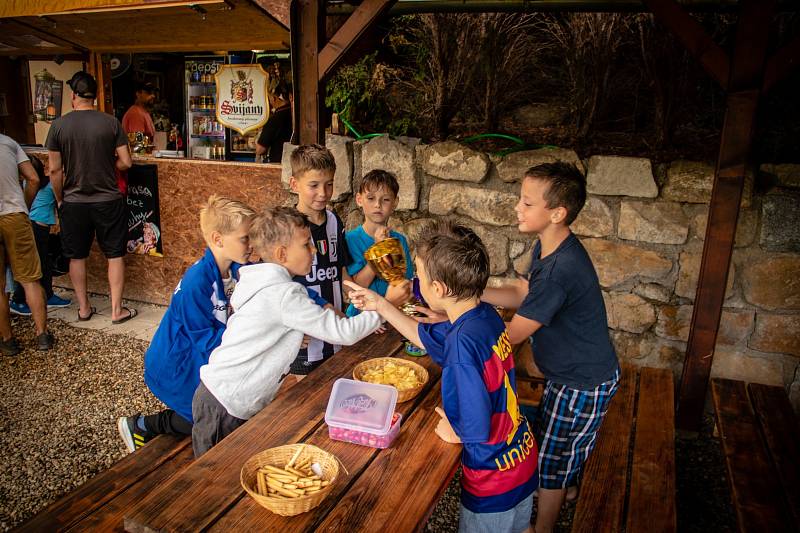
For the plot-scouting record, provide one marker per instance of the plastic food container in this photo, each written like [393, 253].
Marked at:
[363, 413]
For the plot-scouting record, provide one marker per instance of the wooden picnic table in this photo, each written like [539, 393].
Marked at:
[161, 487]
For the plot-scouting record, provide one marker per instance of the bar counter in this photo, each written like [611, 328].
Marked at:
[183, 185]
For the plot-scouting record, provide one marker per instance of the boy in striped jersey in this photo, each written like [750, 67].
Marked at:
[478, 379]
[313, 168]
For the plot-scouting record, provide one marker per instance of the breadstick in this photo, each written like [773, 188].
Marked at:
[262, 483]
[280, 471]
[295, 471]
[295, 456]
[282, 479]
[286, 492]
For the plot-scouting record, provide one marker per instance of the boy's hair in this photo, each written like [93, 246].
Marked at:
[38, 166]
[567, 187]
[311, 157]
[454, 255]
[377, 179]
[275, 225]
[222, 215]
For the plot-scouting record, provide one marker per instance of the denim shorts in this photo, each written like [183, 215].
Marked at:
[515, 520]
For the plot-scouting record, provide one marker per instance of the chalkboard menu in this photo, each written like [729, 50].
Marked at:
[144, 217]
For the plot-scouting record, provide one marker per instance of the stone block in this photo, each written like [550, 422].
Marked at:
[617, 263]
[497, 246]
[483, 205]
[628, 312]
[342, 149]
[411, 228]
[594, 220]
[653, 291]
[780, 221]
[621, 176]
[656, 222]
[692, 181]
[517, 248]
[736, 364]
[735, 326]
[785, 175]
[689, 273]
[398, 158]
[512, 167]
[450, 160]
[522, 264]
[673, 322]
[632, 347]
[777, 333]
[354, 219]
[773, 282]
[746, 227]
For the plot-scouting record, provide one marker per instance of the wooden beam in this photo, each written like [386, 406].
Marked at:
[744, 86]
[351, 31]
[782, 63]
[694, 38]
[101, 70]
[308, 25]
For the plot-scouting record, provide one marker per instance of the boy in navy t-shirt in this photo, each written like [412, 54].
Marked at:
[478, 382]
[561, 309]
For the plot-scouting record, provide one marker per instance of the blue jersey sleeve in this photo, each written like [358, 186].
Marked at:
[319, 300]
[545, 298]
[466, 403]
[195, 310]
[432, 337]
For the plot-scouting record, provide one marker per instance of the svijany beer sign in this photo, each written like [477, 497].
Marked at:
[242, 97]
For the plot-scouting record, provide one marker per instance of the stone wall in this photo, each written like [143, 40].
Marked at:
[643, 225]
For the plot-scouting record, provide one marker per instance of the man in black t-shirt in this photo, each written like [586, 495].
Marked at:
[85, 147]
[278, 129]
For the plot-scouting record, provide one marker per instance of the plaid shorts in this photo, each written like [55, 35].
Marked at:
[567, 427]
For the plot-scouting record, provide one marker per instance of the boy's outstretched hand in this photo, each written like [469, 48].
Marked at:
[429, 315]
[363, 299]
[445, 430]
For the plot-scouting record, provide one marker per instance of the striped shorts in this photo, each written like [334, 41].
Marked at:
[566, 427]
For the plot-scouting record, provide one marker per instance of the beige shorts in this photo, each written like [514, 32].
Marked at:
[18, 248]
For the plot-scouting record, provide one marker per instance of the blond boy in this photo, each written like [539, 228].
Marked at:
[193, 324]
[272, 315]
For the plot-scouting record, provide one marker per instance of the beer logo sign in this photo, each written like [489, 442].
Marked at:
[242, 97]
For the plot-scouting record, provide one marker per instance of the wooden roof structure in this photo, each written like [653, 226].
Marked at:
[64, 27]
[745, 75]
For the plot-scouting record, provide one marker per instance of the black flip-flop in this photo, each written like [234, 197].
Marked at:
[92, 311]
[131, 313]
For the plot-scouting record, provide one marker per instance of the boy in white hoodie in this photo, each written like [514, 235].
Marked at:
[271, 315]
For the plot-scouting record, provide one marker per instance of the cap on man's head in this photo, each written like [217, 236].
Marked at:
[146, 86]
[83, 84]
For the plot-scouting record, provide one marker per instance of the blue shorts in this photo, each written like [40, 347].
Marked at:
[515, 520]
[566, 429]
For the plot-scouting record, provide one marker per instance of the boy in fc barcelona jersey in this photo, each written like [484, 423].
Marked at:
[499, 457]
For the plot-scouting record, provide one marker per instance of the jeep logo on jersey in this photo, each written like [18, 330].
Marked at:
[323, 274]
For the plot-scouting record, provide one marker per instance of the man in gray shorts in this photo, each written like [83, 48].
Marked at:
[85, 147]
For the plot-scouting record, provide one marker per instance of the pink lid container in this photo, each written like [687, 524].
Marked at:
[361, 413]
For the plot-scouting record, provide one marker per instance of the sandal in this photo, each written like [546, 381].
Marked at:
[92, 311]
[131, 313]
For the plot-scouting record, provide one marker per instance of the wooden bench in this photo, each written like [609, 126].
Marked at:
[760, 437]
[630, 477]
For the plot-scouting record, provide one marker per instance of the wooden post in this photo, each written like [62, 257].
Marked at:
[744, 87]
[101, 70]
[307, 27]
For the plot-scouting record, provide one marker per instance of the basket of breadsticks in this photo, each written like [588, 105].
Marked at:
[407, 377]
[289, 480]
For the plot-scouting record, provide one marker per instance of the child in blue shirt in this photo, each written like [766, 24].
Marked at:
[193, 324]
[479, 392]
[376, 195]
[43, 218]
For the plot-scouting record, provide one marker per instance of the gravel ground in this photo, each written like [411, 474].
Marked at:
[58, 414]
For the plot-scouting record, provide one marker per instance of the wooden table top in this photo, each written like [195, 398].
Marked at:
[394, 489]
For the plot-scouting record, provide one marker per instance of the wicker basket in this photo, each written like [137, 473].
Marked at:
[402, 396]
[279, 457]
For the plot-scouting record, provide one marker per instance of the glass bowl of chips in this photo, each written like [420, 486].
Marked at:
[408, 377]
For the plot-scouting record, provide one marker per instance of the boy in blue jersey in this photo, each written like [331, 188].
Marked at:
[376, 195]
[478, 380]
[561, 309]
[193, 324]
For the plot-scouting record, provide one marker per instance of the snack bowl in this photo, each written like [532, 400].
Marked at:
[380, 362]
[279, 457]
